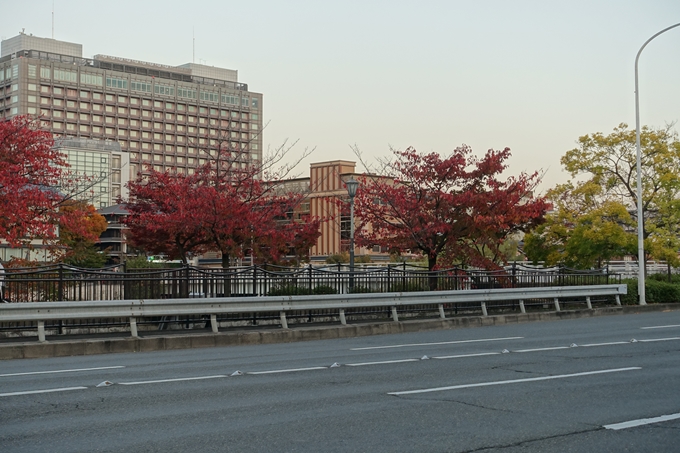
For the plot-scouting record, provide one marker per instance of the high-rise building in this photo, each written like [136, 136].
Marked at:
[167, 117]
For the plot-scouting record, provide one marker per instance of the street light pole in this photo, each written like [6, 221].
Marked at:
[352, 186]
[641, 221]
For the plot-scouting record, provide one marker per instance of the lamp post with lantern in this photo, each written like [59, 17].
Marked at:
[352, 186]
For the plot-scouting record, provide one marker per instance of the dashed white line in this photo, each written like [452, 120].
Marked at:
[542, 349]
[661, 327]
[642, 421]
[383, 362]
[75, 370]
[604, 344]
[514, 381]
[410, 345]
[651, 340]
[291, 370]
[159, 381]
[460, 356]
[34, 392]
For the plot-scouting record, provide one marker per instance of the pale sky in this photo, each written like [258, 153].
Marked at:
[532, 75]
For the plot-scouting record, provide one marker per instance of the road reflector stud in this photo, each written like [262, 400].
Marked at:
[105, 384]
[424, 358]
[505, 351]
[236, 373]
[573, 345]
[335, 365]
[633, 340]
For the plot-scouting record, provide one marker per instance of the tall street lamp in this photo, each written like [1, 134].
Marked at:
[352, 186]
[641, 220]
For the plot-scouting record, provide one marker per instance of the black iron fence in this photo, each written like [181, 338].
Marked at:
[65, 283]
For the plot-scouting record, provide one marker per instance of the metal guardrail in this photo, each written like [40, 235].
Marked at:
[49, 311]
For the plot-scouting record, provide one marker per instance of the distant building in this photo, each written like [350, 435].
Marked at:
[327, 198]
[103, 163]
[167, 117]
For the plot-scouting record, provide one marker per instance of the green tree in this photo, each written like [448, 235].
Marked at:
[610, 162]
[584, 230]
[595, 219]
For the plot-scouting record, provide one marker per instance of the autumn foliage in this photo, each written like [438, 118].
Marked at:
[455, 208]
[224, 206]
[33, 186]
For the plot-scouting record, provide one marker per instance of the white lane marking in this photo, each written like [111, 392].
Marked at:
[651, 340]
[514, 381]
[288, 370]
[642, 421]
[383, 363]
[75, 370]
[604, 344]
[542, 349]
[409, 345]
[661, 327]
[466, 355]
[33, 392]
[198, 378]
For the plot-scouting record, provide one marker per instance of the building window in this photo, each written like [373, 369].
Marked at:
[45, 72]
[140, 86]
[163, 89]
[115, 82]
[91, 79]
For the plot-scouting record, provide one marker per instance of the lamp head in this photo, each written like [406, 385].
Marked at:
[352, 186]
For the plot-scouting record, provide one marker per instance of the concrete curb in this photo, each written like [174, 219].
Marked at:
[74, 347]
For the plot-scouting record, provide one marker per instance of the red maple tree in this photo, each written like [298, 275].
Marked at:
[224, 206]
[35, 185]
[164, 215]
[455, 207]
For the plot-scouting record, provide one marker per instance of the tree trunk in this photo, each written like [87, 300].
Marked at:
[433, 279]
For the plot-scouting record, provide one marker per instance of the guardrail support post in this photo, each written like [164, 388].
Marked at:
[590, 306]
[213, 323]
[284, 322]
[41, 331]
[343, 321]
[557, 304]
[395, 316]
[441, 311]
[133, 326]
[521, 306]
[618, 300]
[484, 312]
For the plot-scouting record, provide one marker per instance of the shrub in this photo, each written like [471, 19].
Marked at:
[658, 292]
[324, 289]
[409, 286]
[294, 290]
[289, 290]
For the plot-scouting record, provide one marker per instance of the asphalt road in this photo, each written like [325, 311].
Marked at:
[564, 386]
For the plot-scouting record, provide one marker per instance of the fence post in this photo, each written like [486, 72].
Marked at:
[60, 287]
[389, 278]
[310, 278]
[557, 304]
[41, 331]
[254, 280]
[186, 283]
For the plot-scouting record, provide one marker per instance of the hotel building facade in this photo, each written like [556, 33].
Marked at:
[170, 118]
